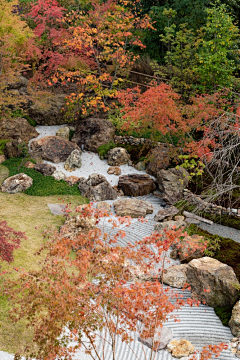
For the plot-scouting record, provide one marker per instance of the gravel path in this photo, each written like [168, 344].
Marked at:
[221, 230]
[199, 325]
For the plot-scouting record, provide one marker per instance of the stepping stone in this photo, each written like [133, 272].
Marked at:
[57, 209]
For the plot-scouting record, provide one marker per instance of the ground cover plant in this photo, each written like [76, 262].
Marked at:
[42, 185]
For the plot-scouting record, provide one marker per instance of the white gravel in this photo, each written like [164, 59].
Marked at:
[91, 163]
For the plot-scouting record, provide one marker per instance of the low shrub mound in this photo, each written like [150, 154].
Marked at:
[42, 185]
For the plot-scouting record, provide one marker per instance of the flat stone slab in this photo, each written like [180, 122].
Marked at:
[57, 209]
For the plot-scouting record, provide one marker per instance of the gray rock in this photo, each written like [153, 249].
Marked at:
[212, 282]
[96, 188]
[171, 183]
[162, 337]
[17, 183]
[118, 156]
[234, 322]
[176, 276]
[57, 209]
[45, 169]
[74, 160]
[63, 132]
[132, 207]
[136, 184]
[59, 175]
[166, 212]
[140, 166]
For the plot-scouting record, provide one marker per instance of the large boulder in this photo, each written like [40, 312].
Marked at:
[132, 207]
[212, 282]
[17, 128]
[191, 247]
[234, 322]
[176, 276]
[172, 182]
[118, 156]
[53, 148]
[74, 160]
[136, 184]
[165, 213]
[96, 188]
[93, 132]
[159, 159]
[47, 109]
[45, 169]
[17, 183]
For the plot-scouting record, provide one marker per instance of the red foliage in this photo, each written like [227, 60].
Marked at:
[9, 241]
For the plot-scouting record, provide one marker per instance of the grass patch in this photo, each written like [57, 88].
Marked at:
[226, 220]
[42, 185]
[31, 215]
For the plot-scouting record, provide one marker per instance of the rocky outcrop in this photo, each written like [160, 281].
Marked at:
[114, 170]
[162, 337]
[159, 159]
[17, 183]
[13, 148]
[165, 213]
[212, 282]
[74, 160]
[132, 207]
[176, 276]
[172, 183]
[63, 132]
[234, 322]
[53, 148]
[17, 128]
[45, 169]
[93, 132]
[180, 348]
[47, 109]
[118, 156]
[136, 184]
[96, 188]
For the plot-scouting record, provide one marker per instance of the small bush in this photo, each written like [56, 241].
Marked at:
[42, 185]
[104, 149]
[2, 145]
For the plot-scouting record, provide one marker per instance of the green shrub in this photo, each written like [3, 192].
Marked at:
[2, 145]
[104, 149]
[42, 185]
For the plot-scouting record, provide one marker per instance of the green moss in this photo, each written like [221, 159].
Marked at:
[228, 251]
[2, 145]
[226, 220]
[104, 149]
[42, 185]
[224, 314]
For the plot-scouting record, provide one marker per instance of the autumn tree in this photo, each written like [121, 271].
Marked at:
[9, 241]
[14, 34]
[82, 297]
